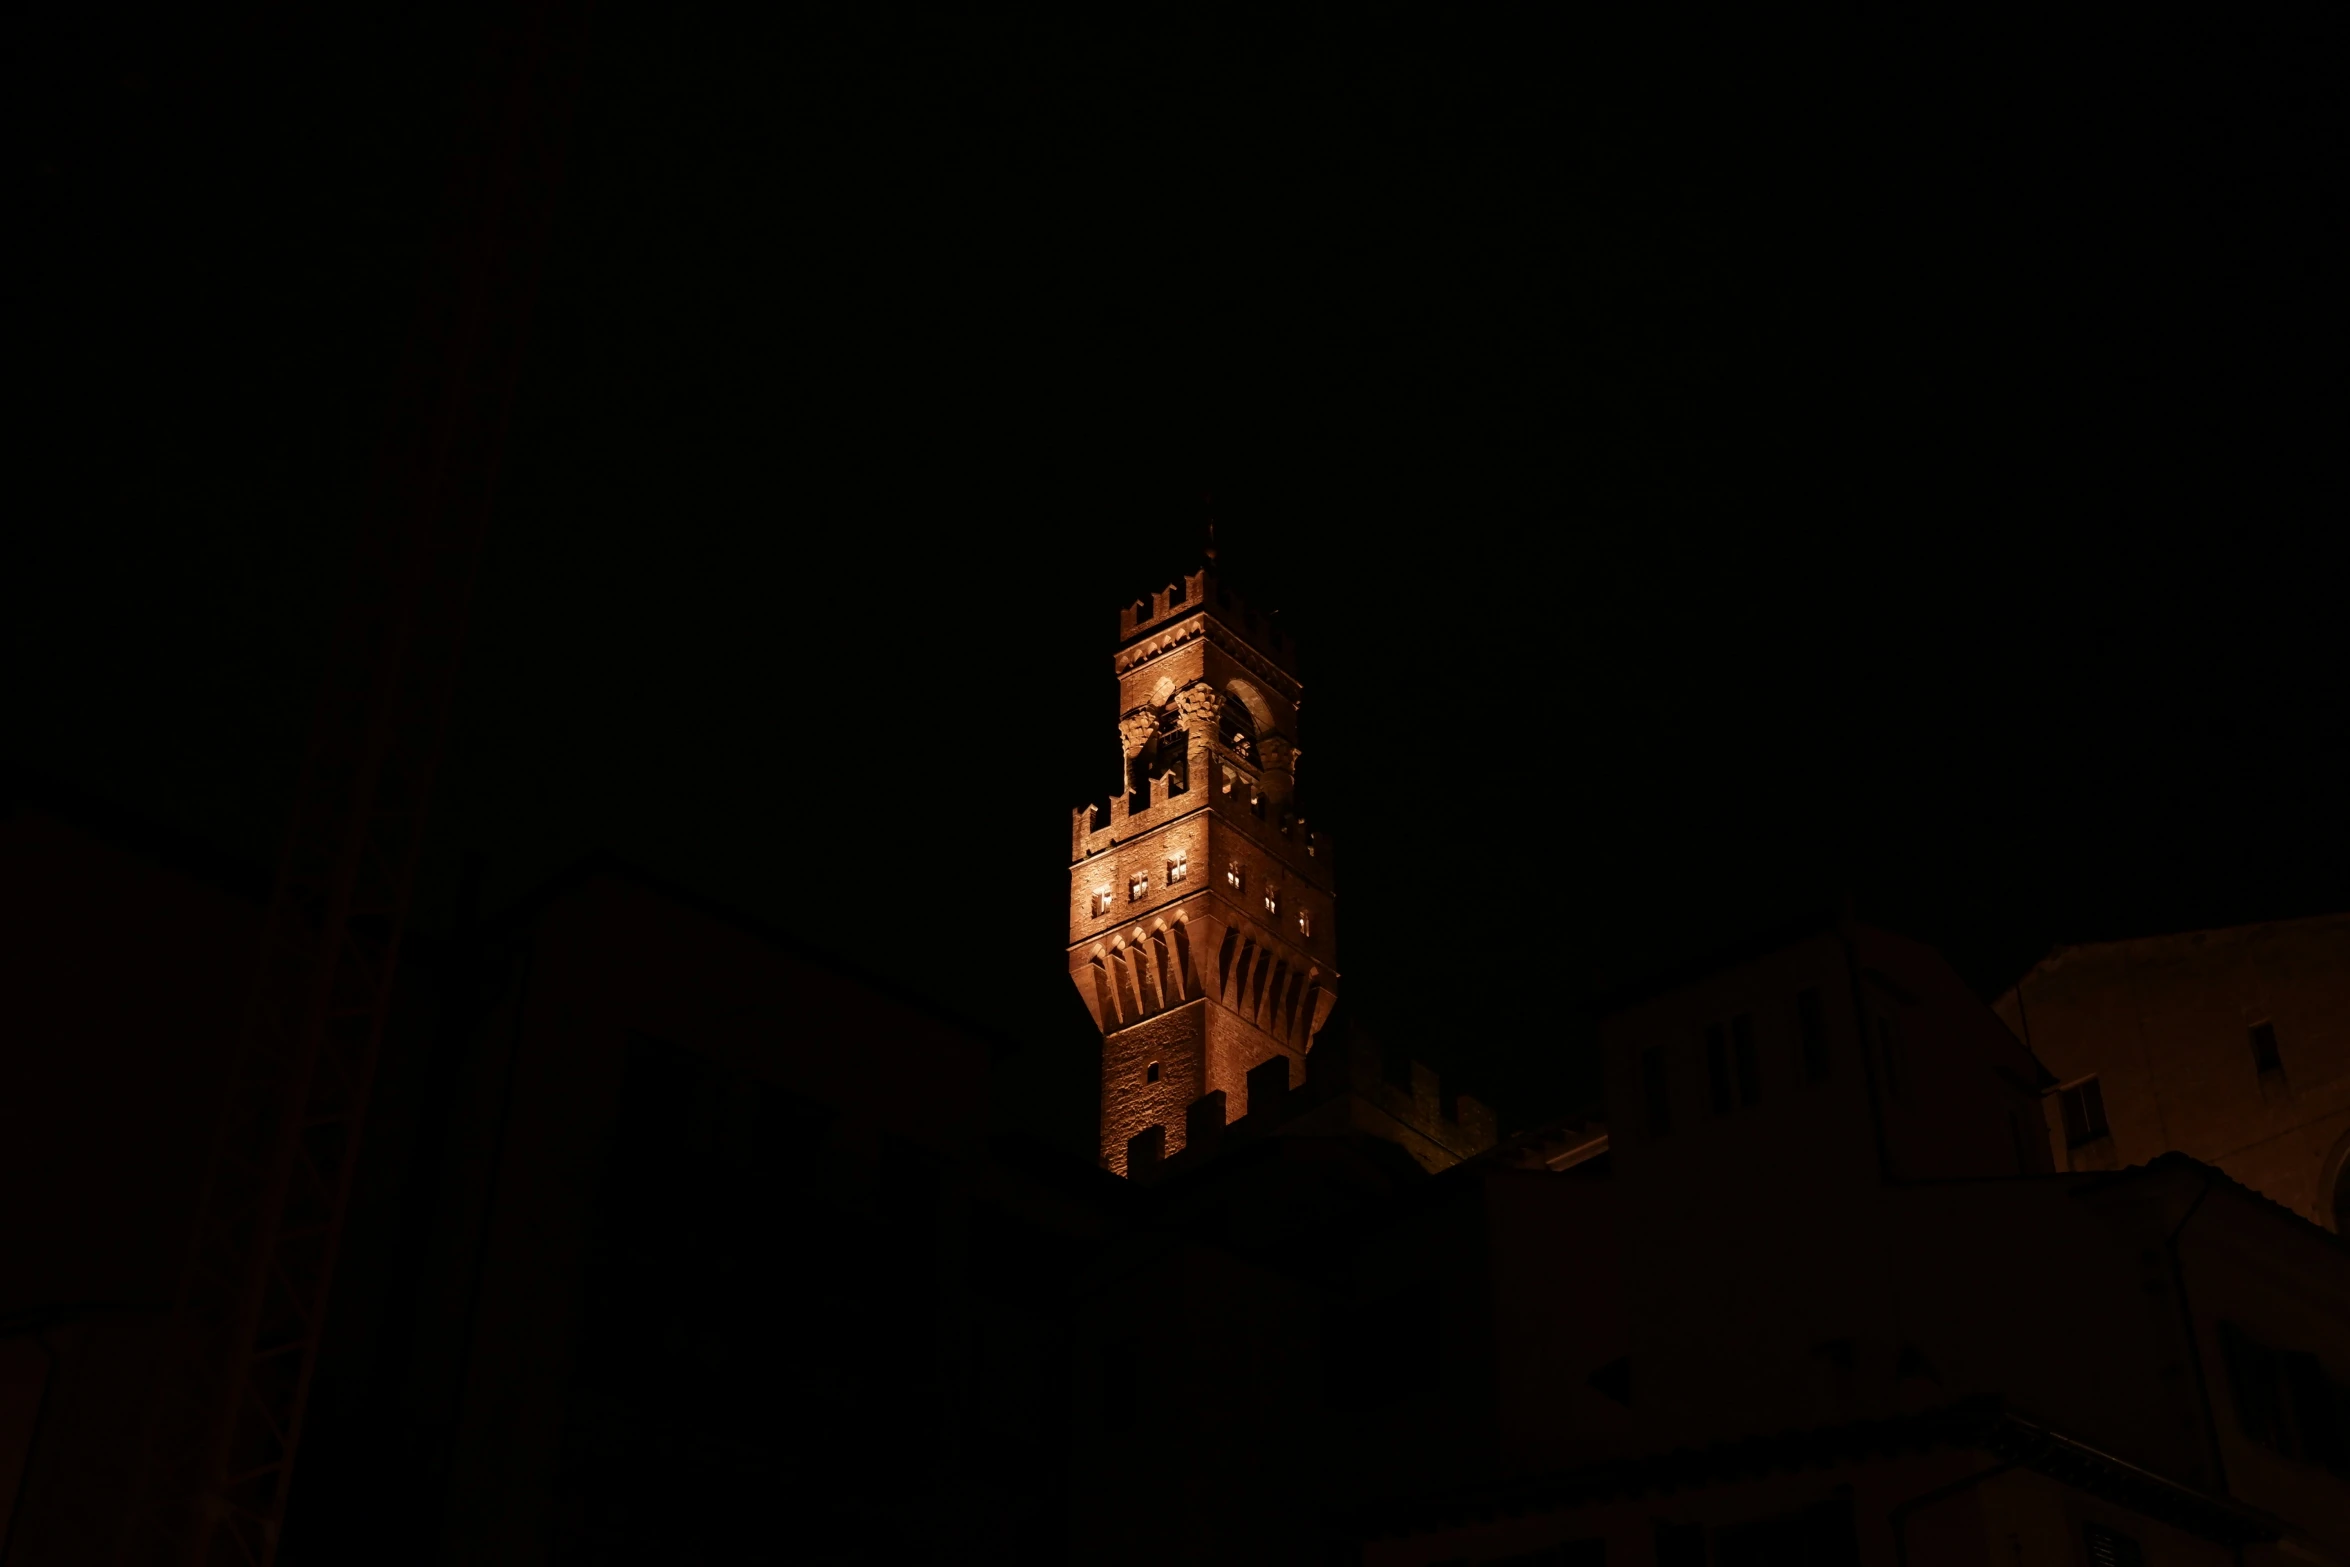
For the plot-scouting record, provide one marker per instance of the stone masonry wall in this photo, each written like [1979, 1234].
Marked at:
[2165, 1026]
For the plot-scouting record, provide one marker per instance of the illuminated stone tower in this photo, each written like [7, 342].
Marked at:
[1203, 930]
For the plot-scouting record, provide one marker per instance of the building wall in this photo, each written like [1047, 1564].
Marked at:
[719, 1258]
[2164, 1025]
[122, 988]
[1178, 1042]
[1558, 1317]
[1945, 1508]
[2286, 1287]
[1864, 1245]
[1195, 1413]
[2019, 1290]
[1737, 1229]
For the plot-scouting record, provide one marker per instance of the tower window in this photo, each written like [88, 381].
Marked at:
[1272, 900]
[1232, 876]
[1101, 902]
[1178, 867]
[1309, 846]
[1150, 1074]
[2084, 1112]
[2264, 1049]
[1305, 922]
[1136, 886]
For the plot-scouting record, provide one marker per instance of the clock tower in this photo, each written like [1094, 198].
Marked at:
[1203, 926]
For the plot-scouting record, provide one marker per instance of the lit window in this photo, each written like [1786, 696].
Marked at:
[1305, 923]
[1178, 867]
[1101, 902]
[1309, 845]
[1232, 875]
[2084, 1112]
[1136, 887]
[1272, 900]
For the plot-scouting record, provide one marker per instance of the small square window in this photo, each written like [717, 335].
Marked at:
[2084, 1112]
[2264, 1049]
[1150, 1074]
[1178, 867]
[1101, 902]
[1272, 900]
[1305, 922]
[1137, 887]
[1232, 876]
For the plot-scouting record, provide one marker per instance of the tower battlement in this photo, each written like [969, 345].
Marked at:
[1354, 1088]
[1165, 616]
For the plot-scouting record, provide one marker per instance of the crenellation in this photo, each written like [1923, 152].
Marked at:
[1343, 1089]
[1200, 608]
[1185, 594]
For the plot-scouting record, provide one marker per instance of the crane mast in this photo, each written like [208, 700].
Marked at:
[226, 1422]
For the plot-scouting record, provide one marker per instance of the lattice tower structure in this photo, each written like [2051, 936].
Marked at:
[226, 1419]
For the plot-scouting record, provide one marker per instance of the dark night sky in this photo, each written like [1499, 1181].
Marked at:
[1706, 474]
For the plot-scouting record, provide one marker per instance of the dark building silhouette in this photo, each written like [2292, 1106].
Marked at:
[674, 1241]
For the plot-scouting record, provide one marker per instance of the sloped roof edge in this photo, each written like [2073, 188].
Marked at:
[2059, 949]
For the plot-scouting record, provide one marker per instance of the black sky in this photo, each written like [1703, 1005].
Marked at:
[1707, 474]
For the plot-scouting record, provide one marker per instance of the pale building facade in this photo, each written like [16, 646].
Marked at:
[2232, 1046]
